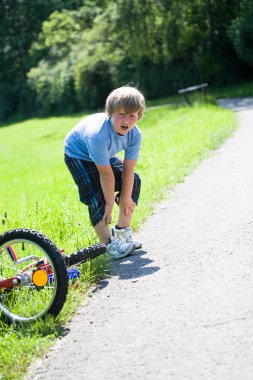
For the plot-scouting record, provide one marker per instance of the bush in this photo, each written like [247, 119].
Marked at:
[54, 87]
[241, 34]
[92, 83]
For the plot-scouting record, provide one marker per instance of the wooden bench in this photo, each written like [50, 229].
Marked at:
[186, 91]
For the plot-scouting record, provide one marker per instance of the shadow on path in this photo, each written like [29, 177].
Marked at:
[129, 268]
[134, 266]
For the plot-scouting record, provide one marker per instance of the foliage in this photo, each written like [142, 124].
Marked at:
[20, 24]
[241, 32]
[71, 54]
[62, 41]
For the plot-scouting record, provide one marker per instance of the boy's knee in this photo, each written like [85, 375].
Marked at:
[96, 206]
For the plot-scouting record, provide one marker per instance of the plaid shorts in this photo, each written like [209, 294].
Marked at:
[86, 177]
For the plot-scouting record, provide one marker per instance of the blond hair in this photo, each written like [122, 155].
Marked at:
[127, 98]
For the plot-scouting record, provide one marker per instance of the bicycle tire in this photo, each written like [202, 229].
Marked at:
[84, 254]
[29, 302]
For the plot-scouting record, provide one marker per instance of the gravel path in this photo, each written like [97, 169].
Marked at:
[182, 308]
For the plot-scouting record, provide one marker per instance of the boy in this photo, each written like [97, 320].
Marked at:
[90, 149]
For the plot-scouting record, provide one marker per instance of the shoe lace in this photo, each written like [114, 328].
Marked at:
[126, 234]
[118, 244]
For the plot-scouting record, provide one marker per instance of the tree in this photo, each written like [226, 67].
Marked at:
[62, 42]
[74, 52]
[241, 32]
[20, 23]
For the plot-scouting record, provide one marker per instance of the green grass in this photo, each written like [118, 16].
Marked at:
[232, 91]
[213, 93]
[37, 192]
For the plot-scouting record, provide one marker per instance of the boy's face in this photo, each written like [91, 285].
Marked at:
[122, 122]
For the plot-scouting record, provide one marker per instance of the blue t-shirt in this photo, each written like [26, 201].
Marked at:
[94, 139]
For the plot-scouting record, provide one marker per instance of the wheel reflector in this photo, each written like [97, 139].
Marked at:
[40, 277]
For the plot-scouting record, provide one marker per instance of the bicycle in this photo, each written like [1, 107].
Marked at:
[35, 274]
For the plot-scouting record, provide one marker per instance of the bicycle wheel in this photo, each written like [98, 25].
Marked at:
[33, 276]
[85, 254]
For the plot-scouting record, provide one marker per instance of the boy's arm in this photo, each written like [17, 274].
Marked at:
[107, 182]
[126, 202]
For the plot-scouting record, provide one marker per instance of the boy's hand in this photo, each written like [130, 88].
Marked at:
[127, 206]
[108, 214]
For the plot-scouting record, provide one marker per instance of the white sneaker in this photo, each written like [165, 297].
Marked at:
[126, 235]
[117, 248]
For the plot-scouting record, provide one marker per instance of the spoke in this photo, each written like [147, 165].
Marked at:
[27, 302]
[7, 266]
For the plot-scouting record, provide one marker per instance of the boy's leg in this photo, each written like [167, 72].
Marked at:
[117, 167]
[87, 179]
[123, 227]
[103, 231]
[125, 220]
